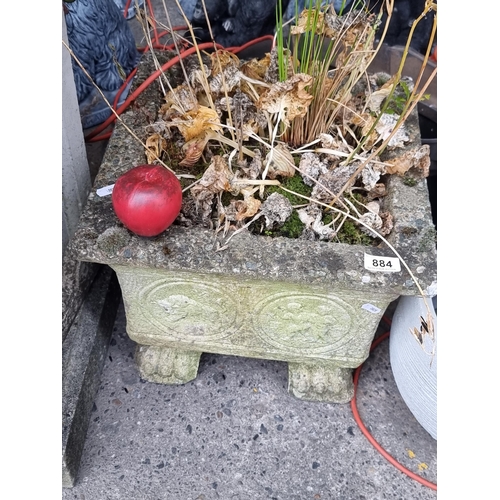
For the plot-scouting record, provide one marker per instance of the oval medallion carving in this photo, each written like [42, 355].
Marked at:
[302, 322]
[189, 309]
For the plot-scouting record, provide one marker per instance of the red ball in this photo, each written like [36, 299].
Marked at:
[147, 199]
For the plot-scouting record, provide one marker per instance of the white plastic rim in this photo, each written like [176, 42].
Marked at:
[415, 376]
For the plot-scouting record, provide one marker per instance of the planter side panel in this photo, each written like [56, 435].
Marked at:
[262, 319]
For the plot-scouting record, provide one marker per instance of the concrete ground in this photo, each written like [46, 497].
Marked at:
[235, 433]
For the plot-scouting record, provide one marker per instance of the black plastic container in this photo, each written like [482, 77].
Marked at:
[427, 117]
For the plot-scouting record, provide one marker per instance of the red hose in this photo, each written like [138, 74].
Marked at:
[93, 136]
[370, 438]
[125, 9]
[153, 20]
[235, 50]
[144, 85]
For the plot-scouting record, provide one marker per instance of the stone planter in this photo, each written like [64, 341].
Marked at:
[311, 304]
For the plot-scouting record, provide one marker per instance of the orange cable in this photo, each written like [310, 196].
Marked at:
[367, 434]
[94, 135]
[151, 78]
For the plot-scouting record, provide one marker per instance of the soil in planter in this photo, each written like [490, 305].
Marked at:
[214, 212]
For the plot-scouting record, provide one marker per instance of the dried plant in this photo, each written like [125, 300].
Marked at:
[335, 50]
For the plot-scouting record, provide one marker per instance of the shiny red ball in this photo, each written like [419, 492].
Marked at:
[147, 199]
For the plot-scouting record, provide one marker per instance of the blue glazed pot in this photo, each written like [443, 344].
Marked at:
[99, 36]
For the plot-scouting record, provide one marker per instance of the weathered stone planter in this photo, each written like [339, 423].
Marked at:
[312, 304]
